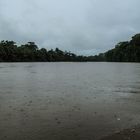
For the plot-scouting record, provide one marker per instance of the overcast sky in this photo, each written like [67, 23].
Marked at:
[81, 26]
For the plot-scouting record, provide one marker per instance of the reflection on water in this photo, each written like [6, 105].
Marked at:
[65, 101]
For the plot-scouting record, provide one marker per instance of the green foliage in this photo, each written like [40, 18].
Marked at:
[128, 51]
[125, 51]
[10, 52]
[135, 40]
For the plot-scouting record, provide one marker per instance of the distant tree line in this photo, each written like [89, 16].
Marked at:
[128, 51]
[29, 52]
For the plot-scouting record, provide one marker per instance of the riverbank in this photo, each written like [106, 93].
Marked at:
[128, 134]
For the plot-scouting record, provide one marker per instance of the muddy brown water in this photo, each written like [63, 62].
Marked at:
[67, 101]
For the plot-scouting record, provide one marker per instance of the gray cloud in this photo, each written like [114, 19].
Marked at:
[82, 26]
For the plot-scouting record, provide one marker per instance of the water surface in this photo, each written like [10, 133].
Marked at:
[67, 101]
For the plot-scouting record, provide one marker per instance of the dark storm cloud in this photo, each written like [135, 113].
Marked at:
[82, 26]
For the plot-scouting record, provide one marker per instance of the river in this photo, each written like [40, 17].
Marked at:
[67, 101]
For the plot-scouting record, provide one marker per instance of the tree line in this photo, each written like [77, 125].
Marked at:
[29, 52]
[128, 51]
